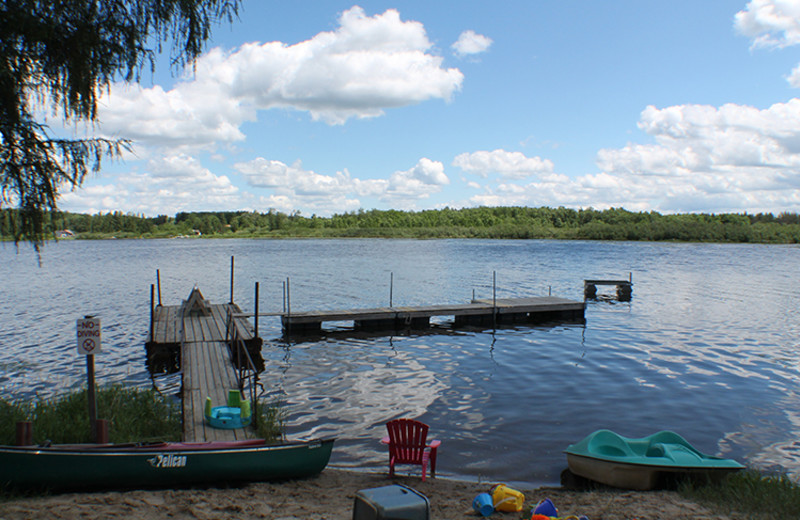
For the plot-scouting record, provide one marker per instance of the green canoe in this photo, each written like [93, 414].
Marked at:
[159, 464]
[642, 464]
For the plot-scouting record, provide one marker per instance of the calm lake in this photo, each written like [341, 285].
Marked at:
[707, 346]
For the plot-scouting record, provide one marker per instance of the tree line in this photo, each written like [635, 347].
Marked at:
[481, 222]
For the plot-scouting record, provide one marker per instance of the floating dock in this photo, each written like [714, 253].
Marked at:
[624, 288]
[201, 334]
[479, 312]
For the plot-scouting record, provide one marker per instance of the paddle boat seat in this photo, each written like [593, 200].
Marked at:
[236, 414]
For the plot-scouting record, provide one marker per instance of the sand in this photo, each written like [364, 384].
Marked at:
[331, 495]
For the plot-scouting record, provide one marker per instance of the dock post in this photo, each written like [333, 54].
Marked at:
[158, 281]
[231, 280]
[24, 433]
[256, 315]
[152, 312]
[391, 287]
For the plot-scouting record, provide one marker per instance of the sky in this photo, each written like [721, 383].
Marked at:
[327, 107]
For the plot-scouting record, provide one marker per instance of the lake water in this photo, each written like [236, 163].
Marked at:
[706, 347]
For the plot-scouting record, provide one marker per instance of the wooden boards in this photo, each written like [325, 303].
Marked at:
[205, 362]
[478, 311]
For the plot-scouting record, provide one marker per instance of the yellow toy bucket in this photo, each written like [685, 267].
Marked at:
[507, 499]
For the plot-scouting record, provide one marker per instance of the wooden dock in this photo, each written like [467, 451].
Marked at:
[479, 312]
[624, 288]
[199, 332]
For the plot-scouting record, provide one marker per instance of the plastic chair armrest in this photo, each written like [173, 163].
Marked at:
[385, 440]
[435, 444]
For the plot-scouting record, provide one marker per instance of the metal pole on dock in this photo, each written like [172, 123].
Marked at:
[288, 307]
[158, 281]
[231, 280]
[391, 287]
[494, 299]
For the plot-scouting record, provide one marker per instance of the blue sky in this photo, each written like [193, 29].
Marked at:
[325, 107]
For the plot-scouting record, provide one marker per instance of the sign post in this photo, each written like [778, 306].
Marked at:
[88, 342]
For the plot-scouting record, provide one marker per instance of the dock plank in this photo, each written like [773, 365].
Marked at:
[206, 364]
[480, 307]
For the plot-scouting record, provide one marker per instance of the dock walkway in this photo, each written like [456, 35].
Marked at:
[198, 329]
[478, 312]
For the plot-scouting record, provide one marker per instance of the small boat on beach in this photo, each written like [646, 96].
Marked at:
[642, 464]
[172, 464]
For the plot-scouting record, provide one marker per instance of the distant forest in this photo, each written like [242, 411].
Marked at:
[482, 222]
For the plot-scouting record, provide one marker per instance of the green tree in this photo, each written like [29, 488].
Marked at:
[64, 54]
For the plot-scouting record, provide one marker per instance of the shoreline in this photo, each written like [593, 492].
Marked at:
[331, 494]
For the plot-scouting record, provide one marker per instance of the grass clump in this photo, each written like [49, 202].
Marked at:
[752, 493]
[270, 422]
[134, 415]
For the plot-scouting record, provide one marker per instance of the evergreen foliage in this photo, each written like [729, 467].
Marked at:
[482, 222]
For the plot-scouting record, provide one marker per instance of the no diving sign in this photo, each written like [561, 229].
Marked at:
[88, 335]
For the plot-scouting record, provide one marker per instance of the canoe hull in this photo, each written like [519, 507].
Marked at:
[636, 476]
[165, 465]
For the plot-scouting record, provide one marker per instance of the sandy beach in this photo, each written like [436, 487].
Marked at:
[331, 495]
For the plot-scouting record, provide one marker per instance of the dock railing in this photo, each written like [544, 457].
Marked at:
[246, 370]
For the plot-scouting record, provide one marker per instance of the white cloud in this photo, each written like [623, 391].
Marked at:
[511, 165]
[425, 178]
[368, 64]
[168, 185]
[469, 43]
[297, 187]
[186, 116]
[794, 77]
[770, 23]
[731, 158]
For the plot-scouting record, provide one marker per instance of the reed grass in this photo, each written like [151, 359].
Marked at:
[756, 495]
[134, 415]
[270, 421]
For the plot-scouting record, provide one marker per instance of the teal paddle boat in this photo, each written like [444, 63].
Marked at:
[642, 464]
[163, 464]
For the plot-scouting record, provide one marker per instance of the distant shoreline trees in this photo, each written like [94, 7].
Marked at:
[482, 222]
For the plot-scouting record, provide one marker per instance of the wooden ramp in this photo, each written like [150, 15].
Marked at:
[198, 330]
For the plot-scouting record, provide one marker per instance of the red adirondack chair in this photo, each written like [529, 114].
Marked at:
[407, 442]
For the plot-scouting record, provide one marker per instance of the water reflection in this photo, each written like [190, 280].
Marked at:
[706, 346]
